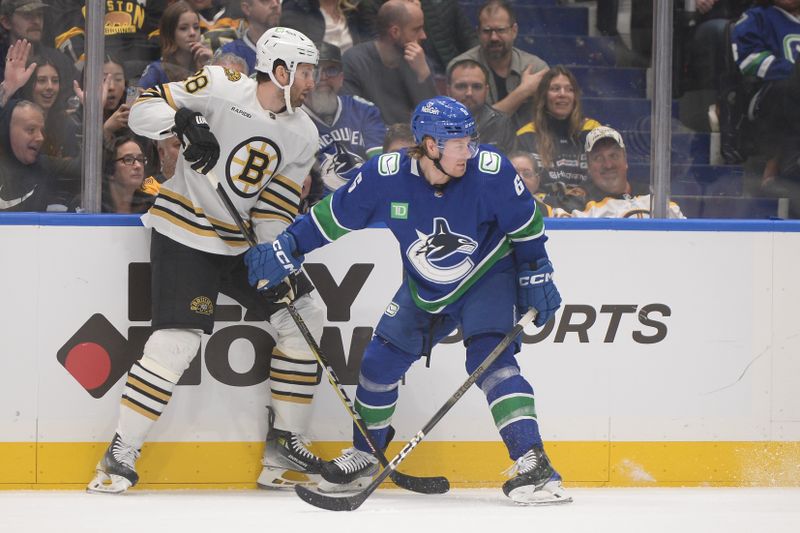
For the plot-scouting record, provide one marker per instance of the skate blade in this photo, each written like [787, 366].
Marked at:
[552, 493]
[108, 484]
[354, 486]
[272, 478]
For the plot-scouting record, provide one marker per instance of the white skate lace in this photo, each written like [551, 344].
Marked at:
[526, 463]
[352, 460]
[125, 454]
[300, 444]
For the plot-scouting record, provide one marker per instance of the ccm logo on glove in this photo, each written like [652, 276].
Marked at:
[282, 257]
[536, 279]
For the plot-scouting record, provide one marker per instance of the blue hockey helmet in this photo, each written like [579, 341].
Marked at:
[443, 118]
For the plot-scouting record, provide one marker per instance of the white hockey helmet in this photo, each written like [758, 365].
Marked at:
[289, 46]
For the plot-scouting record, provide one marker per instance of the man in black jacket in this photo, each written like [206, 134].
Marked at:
[27, 179]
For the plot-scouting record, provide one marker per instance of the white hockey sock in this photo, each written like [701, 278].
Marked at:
[292, 384]
[145, 396]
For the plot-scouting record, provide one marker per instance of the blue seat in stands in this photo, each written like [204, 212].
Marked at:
[611, 82]
[687, 148]
[728, 207]
[696, 180]
[538, 19]
[630, 114]
[569, 49]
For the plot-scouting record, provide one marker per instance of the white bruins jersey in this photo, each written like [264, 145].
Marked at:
[625, 207]
[264, 159]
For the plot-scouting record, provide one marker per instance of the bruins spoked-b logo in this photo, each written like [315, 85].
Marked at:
[442, 256]
[251, 165]
[202, 305]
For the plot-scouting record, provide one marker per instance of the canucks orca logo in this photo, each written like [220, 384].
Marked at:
[441, 257]
[334, 166]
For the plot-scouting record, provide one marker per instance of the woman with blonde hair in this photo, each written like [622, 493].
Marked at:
[556, 135]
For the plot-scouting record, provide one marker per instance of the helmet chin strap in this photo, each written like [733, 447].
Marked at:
[287, 90]
[438, 165]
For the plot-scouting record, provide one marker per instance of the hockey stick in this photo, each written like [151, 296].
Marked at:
[353, 502]
[423, 485]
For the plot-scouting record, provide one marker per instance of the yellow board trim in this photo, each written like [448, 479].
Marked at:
[17, 462]
[467, 464]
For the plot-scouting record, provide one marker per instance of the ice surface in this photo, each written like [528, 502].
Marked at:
[598, 510]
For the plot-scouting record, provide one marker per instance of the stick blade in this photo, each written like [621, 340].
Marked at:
[331, 503]
[421, 485]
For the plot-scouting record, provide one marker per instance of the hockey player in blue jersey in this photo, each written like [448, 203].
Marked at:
[472, 244]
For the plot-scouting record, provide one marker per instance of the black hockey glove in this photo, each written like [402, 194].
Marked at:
[200, 147]
[284, 292]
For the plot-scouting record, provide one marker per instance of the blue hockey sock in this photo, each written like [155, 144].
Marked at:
[509, 395]
[376, 396]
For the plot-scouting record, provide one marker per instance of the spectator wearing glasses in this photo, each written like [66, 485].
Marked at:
[526, 169]
[350, 128]
[261, 15]
[391, 71]
[124, 187]
[515, 74]
[467, 83]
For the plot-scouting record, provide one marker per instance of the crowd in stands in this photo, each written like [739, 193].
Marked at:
[378, 59]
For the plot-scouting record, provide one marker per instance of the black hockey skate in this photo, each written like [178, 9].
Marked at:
[287, 460]
[535, 481]
[350, 472]
[116, 471]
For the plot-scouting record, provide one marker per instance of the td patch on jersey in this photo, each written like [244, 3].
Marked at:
[251, 165]
[443, 255]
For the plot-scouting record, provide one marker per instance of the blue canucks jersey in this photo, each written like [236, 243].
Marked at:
[449, 236]
[355, 135]
[766, 43]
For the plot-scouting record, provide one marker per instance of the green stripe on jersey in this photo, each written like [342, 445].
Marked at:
[323, 217]
[375, 417]
[532, 229]
[513, 406]
[755, 63]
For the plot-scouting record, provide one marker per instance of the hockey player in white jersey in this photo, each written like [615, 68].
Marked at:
[260, 145]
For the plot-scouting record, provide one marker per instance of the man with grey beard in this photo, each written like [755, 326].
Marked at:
[350, 128]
